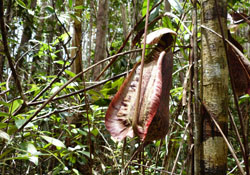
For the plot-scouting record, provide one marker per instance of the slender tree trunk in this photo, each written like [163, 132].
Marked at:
[77, 38]
[197, 118]
[214, 88]
[8, 17]
[102, 19]
[124, 20]
[2, 59]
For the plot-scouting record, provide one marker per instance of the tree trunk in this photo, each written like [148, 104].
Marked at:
[76, 42]
[102, 19]
[124, 20]
[26, 36]
[8, 17]
[2, 59]
[214, 88]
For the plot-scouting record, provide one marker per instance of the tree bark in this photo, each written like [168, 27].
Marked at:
[214, 88]
[124, 20]
[76, 42]
[102, 20]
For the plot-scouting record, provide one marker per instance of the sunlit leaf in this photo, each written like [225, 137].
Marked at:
[118, 83]
[70, 3]
[76, 171]
[20, 122]
[15, 105]
[33, 153]
[176, 5]
[85, 153]
[49, 9]
[21, 3]
[79, 7]
[54, 141]
[4, 135]
[95, 132]
[72, 74]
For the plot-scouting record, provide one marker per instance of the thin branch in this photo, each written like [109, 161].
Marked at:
[179, 151]
[111, 150]
[133, 156]
[91, 87]
[61, 88]
[53, 4]
[55, 79]
[56, 111]
[236, 131]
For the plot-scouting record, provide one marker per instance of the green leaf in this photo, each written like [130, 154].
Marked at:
[21, 3]
[54, 141]
[85, 153]
[72, 74]
[176, 5]
[4, 103]
[70, 3]
[49, 9]
[144, 7]
[3, 114]
[76, 171]
[95, 132]
[118, 83]
[15, 105]
[31, 149]
[61, 62]
[102, 102]
[79, 7]
[84, 133]
[4, 135]
[20, 122]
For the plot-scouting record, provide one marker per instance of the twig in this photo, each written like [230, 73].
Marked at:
[179, 151]
[57, 111]
[236, 131]
[60, 89]
[111, 150]
[230, 172]
[196, 110]
[132, 157]
[53, 4]
[55, 79]
[91, 87]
